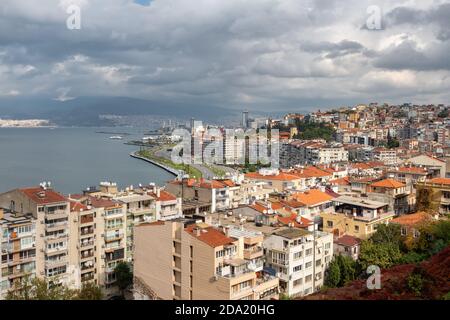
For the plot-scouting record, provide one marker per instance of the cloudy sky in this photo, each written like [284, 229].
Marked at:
[257, 54]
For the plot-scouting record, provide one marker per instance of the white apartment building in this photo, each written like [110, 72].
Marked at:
[326, 155]
[17, 249]
[51, 211]
[297, 260]
[387, 156]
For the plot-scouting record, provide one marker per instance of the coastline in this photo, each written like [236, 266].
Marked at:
[166, 168]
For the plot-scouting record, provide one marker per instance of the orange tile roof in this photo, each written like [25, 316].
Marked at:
[311, 172]
[341, 181]
[281, 176]
[312, 197]
[210, 235]
[304, 223]
[348, 241]
[412, 219]
[77, 206]
[163, 196]
[102, 202]
[293, 203]
[388, 183]
[417, 170]
[41, 196]
[440, 180]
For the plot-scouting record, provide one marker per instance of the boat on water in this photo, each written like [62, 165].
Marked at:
[116, 137]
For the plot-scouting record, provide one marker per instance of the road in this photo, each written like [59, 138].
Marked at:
[206, 172]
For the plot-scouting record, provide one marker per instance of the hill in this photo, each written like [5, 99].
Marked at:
[429, 279]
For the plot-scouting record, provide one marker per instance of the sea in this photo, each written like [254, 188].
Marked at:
[73, 159]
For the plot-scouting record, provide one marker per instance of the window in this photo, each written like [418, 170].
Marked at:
[330, 224]
[308, 265]
[308, 278]
[403, 231]
[298, 268]
[220, 253]
[318, 262]
[328, 245]
[298, 282]
[26, 242]
[356, 228]
[297, 255]
[308, 252]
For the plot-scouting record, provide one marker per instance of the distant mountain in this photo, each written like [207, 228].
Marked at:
[85, 111]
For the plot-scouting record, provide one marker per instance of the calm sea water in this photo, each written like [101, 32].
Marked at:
[72, 159]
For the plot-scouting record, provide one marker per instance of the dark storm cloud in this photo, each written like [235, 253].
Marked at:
[265, 53]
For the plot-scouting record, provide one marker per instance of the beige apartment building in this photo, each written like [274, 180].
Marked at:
[356, 217]
[98, 227]
[197, 261]
[51, 211]
[17, 248]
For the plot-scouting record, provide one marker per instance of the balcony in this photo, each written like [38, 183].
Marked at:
[57, 214]
[115, 237]
[253, 253]
[87, 219]
[53, 237]
[56, 263]
[87, 267]
[87, 256]
[56, 225]
[114, 227]
[87, 244]
[57, 250]
[87, 278]
[279, 262]
[85, 232]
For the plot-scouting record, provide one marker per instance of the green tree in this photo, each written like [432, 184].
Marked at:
[388, 233]
[309, 130]
[383, 255]
[348, 269]
[39, 289]
[124, 276]
[90, 291]
[333, 276]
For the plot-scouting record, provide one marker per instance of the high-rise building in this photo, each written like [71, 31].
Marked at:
[245, 119]
[197, 261]
[17, 248]
[50, 210]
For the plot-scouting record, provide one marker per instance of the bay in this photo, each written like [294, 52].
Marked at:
[72, 159]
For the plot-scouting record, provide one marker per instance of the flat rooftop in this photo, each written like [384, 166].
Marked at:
[365, 203]
[292, 233]
[11, 218]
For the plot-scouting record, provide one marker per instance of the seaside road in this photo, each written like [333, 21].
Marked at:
[206, 172]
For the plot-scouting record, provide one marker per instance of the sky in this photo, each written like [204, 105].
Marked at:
[255, 54]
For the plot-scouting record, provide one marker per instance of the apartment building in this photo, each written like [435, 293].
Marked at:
[355, 217]
[112, 235]
[140, 207]
[392, 192]
[197, 261]
[433, 195]
[299, 258]
[219, 193]
[311, 152]
[435, 166]
[51, 211]
[17, 248]
[313, 202]
[280, 181]
[387, 156]
[84, 242]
